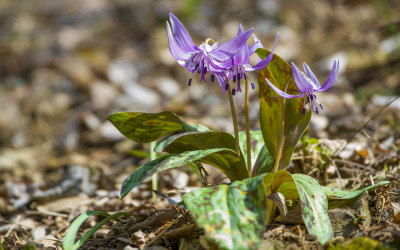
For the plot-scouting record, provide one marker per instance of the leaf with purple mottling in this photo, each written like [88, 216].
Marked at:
[232, 216]
[282, 121]
[148, 127]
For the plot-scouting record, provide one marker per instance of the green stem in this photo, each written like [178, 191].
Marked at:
[247, 120]
[154, 178]
[234, 119]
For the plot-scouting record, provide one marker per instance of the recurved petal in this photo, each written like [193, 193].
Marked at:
[181, 35]
[230, 48]
[331, 78]
[222, 81]
[175, 50]
[264, 63]
[257, 44]
[240, 30]
[301, 82]
[310, 74]
[281, 93]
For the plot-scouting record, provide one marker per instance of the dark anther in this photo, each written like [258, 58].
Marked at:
[233, 91]
[312, 98]
[212, 77]
[253, 86]
[304, 111]
[238, 76]
[245, 76]
[199, 70]
[205, 70]
[321, 106]
[190, 82]
[234, 78]
[308, 99]
[197, 66]
[227, 86]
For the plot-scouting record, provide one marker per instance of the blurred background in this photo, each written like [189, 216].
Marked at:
[66, 65]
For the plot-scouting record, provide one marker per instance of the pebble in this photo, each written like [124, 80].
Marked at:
[122, 72]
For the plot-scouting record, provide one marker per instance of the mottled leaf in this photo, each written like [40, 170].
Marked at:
[344, 195]
[232, 216]
[289, 190]
[167, 162]
[271, 183]
[282, 120]
[314, 206]
[148, 127]
[281, 182]
[279, 201]
[256, 143]
[231, 164]
[264, 162]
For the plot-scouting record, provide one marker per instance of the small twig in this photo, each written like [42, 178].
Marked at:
[362, 126]
[338, 173]
[355, 164]
[383, 206]
[14, 225]
[162, 232]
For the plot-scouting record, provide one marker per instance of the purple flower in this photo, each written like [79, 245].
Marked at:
[204, 58]
[238, 67]
[308, 85]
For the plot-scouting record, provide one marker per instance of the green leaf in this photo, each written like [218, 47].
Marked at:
[231, 164]
[148, 127]
[281, 182]
[177, 160]
[344, 195]
[271, 183]
[256, 142]
[69, 239]
[314, 206]
[232, 216]
[282, 120]
[264, 162]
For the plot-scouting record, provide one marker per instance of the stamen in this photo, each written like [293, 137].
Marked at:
[227, 86]
[245, 76]
[315, 97]
[304, 110]
[238, 85]
[212, 77]
[197, 66]
[198, 70]
[238, 76]
[190, 82]
[233, 91]
[253, 86]
[205, 70]
[234, 78]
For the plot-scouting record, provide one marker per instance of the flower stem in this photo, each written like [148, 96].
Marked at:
[234, 119]
[154, 178]
[247, 120]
